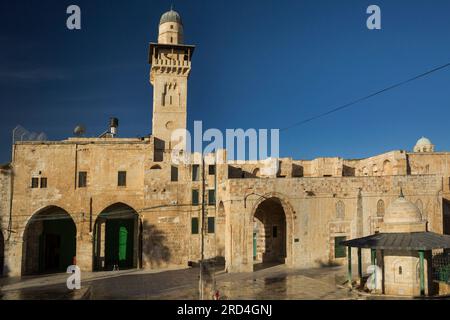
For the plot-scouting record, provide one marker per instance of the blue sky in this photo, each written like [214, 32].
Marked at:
[258, 64]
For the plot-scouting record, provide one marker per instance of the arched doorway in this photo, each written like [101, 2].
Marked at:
[117, 242]
[2, 253]
[387, 168]
[269, 233]
[446, 215]
[220, 233]
[49, 242]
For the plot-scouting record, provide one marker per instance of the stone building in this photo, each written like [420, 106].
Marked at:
[407, 259]
[111, 202]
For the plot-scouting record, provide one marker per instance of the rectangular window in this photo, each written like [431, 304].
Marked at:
[274, 231]
[35, 182]
[195, 172]
[339, 249]
[173, 173]
[211, 225]
[122, 178]
[82, 179]
[212, 169]
[194, 225]
[211, 197]
[43, 183]
[194, 197]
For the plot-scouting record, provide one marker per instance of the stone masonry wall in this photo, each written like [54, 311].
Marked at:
[315, 221]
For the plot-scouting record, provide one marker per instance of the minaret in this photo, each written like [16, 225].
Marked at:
[170, 63]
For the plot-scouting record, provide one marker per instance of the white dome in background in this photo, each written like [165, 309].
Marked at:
[424, 145]
[423, 142]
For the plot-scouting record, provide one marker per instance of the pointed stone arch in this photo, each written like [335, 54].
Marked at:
[446, 215]
[340, 210]
[286, 255]
[117, 238]
[419, 204]
[387, 168]
[381, 208]
[49, 241]
[2, 252]
[221, 210]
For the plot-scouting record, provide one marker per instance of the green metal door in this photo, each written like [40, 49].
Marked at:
[123, 238]
[254, 245]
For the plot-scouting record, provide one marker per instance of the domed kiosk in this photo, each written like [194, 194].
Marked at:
[402, 253]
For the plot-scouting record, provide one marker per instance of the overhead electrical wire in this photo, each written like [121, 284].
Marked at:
[349, 104]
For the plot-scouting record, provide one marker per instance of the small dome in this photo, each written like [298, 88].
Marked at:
[402, 211]
[170, 16]
[423, 142]
[424, 145]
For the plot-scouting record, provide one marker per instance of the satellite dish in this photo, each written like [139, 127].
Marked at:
[79, 130]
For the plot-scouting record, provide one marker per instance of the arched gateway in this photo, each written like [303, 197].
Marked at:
[117, 236]
[2, 252]
[272, 231]
[49, 242]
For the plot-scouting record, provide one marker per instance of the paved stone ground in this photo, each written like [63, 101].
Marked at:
[277, 282]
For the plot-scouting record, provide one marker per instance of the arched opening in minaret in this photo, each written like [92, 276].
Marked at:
[49, 242]
[269, 234]
[117, 242]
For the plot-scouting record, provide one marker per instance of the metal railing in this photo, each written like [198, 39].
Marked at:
[441, 266]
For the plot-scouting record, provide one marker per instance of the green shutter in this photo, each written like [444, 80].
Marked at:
[173, 173]
[35, 182]
[211, 224]
[194, 197]
[194, 225]
[43, 182]
[123, 237]
[82, 179]
[339, 249]
[122, 178]
[211, 197]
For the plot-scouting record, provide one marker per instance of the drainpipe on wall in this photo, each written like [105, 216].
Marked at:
[202, 231]
[90, 215]
[76, 165]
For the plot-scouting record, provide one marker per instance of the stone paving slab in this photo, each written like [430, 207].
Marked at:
[277, 282]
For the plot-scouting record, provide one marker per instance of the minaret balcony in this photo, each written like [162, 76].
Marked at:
[171, 63]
